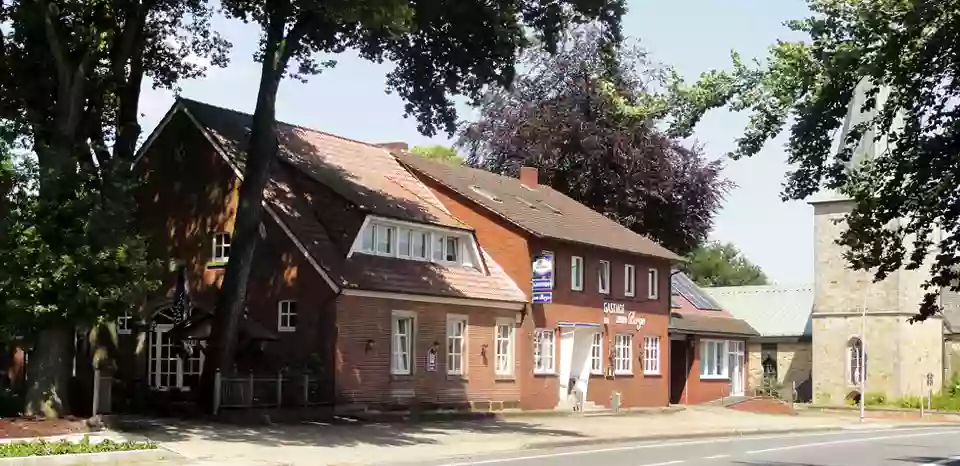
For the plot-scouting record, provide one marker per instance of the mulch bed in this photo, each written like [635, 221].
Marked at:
[26, 428]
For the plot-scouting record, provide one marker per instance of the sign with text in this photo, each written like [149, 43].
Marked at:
[543, 272]
[543, 297]
[614, 308]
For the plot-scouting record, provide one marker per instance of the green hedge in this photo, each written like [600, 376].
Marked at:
[66, 447]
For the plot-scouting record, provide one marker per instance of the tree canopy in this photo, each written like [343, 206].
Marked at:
[722, 264]
[438, 153]
[587, 118]
[906, 204]
[71, 72]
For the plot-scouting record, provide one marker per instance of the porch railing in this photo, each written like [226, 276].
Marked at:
[270, 391]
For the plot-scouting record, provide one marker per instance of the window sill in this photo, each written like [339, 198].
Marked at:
[545, 373]
[287, 329]
[629, 295]
[623, 374]
[652, 374]
[401, 376]
[597, 374]
[457, 377]
[714, 377]
[504, 378]
[217, 263]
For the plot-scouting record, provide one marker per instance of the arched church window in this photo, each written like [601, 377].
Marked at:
[855, 359]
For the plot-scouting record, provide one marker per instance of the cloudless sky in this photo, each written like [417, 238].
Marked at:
[691, 35]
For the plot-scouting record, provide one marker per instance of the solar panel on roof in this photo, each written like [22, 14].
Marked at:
[693, 293]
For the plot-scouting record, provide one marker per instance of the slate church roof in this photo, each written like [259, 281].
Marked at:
[773, 310]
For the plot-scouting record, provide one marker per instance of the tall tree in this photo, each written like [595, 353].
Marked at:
[722, 264]
[905, 202]
[440, 48]
[438, 153]
[70, 79]
[586, 118]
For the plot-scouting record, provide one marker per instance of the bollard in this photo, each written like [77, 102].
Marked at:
[615, 401]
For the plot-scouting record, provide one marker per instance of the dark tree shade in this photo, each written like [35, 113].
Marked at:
[586, 118]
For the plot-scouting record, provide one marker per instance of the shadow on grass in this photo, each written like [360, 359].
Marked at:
[341, 432]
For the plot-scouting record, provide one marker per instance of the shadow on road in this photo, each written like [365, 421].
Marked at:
[341, 432]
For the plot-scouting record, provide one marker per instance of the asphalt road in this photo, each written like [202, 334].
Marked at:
[927, 446]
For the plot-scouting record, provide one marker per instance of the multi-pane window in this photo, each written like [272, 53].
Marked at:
[221, 247]
[287, 316]
[629, 280]
[401, 348]
[653, 284]
[603, 277]
[456, 344]
[651, 355]
[713, 359]
[623, 354]
[596, 354]
[855, 361]
[125, 324]
[503, 358]
[543, 351]
[576, 273]
[414, 243]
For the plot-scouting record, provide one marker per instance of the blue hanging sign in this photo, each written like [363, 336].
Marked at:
[543, 297]
[543, 272]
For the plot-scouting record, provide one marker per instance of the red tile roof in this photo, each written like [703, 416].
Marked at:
[371, 179]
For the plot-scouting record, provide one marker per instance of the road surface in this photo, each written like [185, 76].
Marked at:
[927, 446]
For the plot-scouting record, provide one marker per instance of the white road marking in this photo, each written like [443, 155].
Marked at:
[665, 463]
[750, 438]
[852, 440]
[943, 461]
[715, 457]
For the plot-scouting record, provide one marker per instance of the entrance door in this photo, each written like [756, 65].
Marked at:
[736, 368]
[165, 368]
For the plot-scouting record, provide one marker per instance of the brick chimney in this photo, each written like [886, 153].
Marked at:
[395, 146]
[529, 177]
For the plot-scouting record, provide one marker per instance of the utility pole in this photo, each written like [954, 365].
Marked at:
[863, 350]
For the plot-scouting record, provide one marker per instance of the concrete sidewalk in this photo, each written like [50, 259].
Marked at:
[360, 444]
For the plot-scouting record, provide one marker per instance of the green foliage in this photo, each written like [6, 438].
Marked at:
[905, 48]
[65, 447]
[722, 264]
[770, 387]
[911, 402]
[876, 399]
[438, 153]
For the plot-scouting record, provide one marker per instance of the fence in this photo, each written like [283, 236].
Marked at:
[253, 391]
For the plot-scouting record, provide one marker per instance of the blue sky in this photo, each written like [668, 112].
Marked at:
[691, 35]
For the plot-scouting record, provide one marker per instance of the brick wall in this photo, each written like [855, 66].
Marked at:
[183, 203]
[363, 369]
[699, 390]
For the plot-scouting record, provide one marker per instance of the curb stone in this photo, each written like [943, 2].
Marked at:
[699, 435]
[115, 458]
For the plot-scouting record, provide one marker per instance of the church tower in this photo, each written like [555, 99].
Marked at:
[899, 355]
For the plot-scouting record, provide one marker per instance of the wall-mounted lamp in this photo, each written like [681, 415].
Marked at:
[435, 346]
[368, 347]
[483, 351]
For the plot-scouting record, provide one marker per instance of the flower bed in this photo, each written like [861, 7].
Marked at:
[66, 447]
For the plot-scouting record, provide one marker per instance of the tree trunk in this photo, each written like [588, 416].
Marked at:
[48, 373]
[261, 152]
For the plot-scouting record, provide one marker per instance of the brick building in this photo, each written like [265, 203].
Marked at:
[708, 346]
[604, 329]
[361, 273]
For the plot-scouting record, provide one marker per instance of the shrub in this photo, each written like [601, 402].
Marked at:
[66, 447]
[912, 402]
[876, 399]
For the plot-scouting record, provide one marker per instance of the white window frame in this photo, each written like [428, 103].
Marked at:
[285, 309]
[708, 371]
[541, 335]
[221, 247]
[604, 267]
[181, 367]
[653, 284]
[596, 354]
[651, 355]
[508, 357]
[467, 252]
[453, 320]
[623, 354]
[576, 273]
[629, 280]
[395, 317]
[125, 324]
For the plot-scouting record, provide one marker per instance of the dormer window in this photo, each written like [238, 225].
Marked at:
[396, 239]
